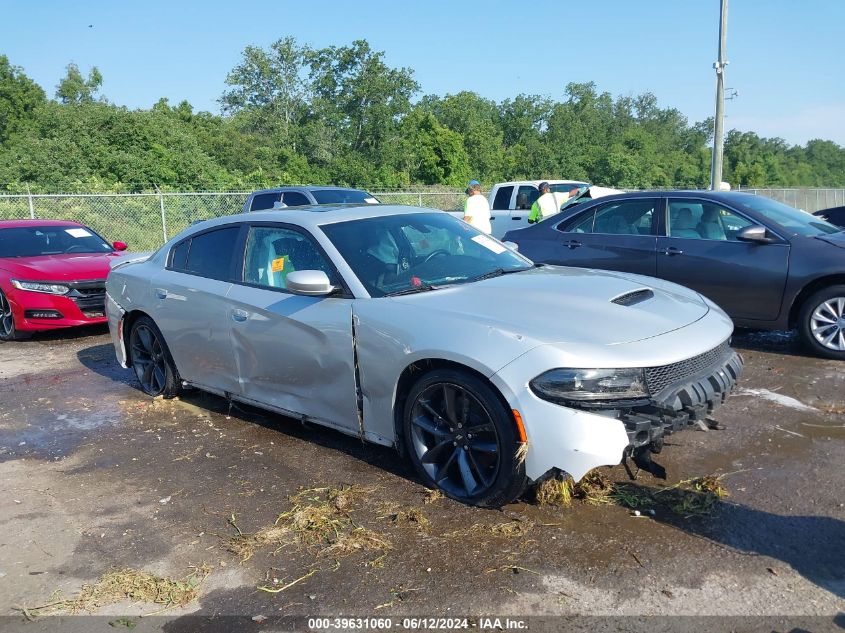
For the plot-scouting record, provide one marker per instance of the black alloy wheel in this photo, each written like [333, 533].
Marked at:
[151, 360]
[462, 439]
[8, 331]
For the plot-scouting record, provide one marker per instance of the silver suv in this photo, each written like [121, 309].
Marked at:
[299, 196]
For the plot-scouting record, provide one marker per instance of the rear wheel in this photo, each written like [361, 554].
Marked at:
[462, 439]
[151, 360]
[821, 322]
[8, 330]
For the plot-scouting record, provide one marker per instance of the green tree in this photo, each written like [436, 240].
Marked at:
[19, 98]
[75, 89]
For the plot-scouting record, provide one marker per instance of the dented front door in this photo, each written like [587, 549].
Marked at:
[295, 353]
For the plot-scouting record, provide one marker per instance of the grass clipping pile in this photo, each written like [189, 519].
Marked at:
[127, 584]
[319, 519]
[691, 497]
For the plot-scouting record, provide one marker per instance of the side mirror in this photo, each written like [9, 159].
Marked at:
[511, 245]
[755, 233]
[120, 246]
[311, 283]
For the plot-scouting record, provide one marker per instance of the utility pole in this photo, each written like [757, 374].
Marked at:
[719, 127]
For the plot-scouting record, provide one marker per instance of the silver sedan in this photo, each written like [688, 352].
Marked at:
[409, 328]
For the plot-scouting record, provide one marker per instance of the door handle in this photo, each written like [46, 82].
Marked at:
[240, 315]
[572, 244]
[516, 217]
[671, 251]
[161, 293]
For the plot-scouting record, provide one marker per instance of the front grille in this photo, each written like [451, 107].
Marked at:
[658, 378]
[90, 296]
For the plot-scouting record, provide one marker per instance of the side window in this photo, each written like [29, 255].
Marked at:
[264, 201]
[503, 198]
[272, 253]
[628, 217]
[526, 195]
[210, 254]
[179, 255]
[704, 220]
[579, 224]
[295, 199]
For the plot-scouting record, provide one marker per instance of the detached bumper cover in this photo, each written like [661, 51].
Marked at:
[684, 402]
[576, 440]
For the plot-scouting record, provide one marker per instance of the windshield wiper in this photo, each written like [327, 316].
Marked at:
[498, 272]
[412, 290]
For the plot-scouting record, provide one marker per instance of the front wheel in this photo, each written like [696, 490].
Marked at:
[151, 360]
[462, 439]
[821, 322]
[8, 330]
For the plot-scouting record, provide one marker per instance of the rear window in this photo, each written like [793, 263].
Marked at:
[208, 254]
[503, 198]
[264, 201]
[343, 196]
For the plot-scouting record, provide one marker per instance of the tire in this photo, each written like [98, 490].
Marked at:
[8, 329]
[151, 360]
[821, 322]
[477, 468]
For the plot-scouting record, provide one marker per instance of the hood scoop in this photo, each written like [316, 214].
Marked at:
[634, 297]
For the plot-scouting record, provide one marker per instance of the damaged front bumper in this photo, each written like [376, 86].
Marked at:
[684, 402]
[575, 439]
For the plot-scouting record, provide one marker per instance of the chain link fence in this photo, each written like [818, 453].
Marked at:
[146, 220]
[809, 200]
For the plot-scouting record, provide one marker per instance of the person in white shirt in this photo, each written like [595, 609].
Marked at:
[476, 209]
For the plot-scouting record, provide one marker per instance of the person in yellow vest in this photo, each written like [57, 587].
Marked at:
[476, 209]
[548, 203]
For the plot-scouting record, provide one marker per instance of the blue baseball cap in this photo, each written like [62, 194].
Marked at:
[472, 183]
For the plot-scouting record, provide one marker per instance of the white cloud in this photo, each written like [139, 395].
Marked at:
[825, 122]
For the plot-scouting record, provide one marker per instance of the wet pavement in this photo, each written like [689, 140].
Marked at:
[94, 476]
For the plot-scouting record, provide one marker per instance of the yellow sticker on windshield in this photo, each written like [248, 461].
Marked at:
[277, 265]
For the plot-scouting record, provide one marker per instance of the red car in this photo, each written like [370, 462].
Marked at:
[52, 275]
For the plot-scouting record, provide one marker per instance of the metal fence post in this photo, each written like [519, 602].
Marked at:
[163, 215]
[31, 206]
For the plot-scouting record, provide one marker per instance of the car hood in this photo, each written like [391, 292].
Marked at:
[66, 267]
[837, 239]
[554, 304]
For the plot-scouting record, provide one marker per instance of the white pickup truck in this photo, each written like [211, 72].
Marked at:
[510, 202]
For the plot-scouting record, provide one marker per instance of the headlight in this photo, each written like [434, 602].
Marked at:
[40, 286]
[590, 384]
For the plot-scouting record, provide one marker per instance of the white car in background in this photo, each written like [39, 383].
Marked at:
[510, 202]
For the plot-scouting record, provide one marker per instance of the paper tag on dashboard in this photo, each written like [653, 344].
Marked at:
[489, 244]
[78, 232]
[370, 200]
[277, 265]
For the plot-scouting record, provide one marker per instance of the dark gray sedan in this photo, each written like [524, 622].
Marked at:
[769, 266]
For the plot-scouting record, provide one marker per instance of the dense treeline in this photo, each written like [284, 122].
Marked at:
[341, 115]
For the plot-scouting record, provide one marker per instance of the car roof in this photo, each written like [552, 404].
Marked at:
[15, 224]
[313, 216]
[537, 182]
[306, 188]
[728, 196]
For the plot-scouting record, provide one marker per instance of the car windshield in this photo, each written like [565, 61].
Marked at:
[566, 187]
[32, 241]
[343, 196]
[398, 254]
[788, 217]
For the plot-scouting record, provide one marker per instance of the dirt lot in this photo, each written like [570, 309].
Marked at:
[96, 477]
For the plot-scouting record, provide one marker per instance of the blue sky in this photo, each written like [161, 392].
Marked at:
[786, 57]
